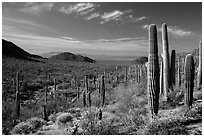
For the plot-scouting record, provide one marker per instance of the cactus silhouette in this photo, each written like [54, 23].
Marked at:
[17, 111]
[179, 73]
[84, 98]
[153, 71]
[199, 79]
[189, 80]
[172, 69]
[165, 60]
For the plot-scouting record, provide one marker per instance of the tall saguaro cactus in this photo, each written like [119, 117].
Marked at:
[179, 73]
[153, 71]
[17, 111]
[199, 79]
[172, 69]
[165, 60]
[126, 74]
[189, 80]
[102, 90]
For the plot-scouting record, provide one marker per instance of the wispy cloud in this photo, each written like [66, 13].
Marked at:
[79, 9]
[92, 16]
[175, 31]
[36, 8]
[89, 12]
[120, 17]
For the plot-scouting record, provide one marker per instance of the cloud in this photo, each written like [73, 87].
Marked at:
[92, 16]
[142, 41]
[111, 16]
[36, 8]
[175, 31]
[79, 9]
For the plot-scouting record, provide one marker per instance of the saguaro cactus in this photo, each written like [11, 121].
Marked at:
[84, 98]
[17, 111]
[102, 90]
[179, 73]
[189, 80]
[161, 79]
[153, 71]
[165, 60]
[199, 79]
[172, 69]
[126, 74]
[45, 115]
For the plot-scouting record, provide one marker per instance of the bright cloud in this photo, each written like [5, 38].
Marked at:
[37, 8]
[80, 8]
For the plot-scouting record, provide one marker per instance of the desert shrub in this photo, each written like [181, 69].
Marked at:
[63, 118]
[28, 127]
[171, 126]
[175, 98]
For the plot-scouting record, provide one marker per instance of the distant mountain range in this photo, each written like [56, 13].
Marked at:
[9, 49]
[95, 57]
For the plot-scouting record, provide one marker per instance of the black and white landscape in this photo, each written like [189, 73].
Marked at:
[101, 68]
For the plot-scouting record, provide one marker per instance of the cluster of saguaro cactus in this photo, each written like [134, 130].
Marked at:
[17, 111]
[153, 71]
[165, 56]
[189, 80]
[172, 69]
[199, 76]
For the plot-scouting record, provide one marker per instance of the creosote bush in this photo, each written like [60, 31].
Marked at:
[29, 126]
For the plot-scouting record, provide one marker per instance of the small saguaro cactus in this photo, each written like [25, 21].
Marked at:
[102, 90]
[84, 98]
[126, 74]
[153, 71]
[172, 69]
[45, 115]
[17, 111]
[165, 56]
[189, 80]
[199, 79]
[179, 73]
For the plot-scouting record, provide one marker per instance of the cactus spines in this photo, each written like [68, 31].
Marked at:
[189, 80]
[153, 71]
[179, 73]
[199, 79]
[165, 60]
[161, 79]
[102, 90]
[17, 111]
[172, 69]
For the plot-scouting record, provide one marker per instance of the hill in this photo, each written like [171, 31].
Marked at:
[140, 60]
[10, 49]
[71, 57]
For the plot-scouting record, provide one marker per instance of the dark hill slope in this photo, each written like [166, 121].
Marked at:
[9, 49]
[72, 57]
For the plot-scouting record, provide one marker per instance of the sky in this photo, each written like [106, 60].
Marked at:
[100, 28]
